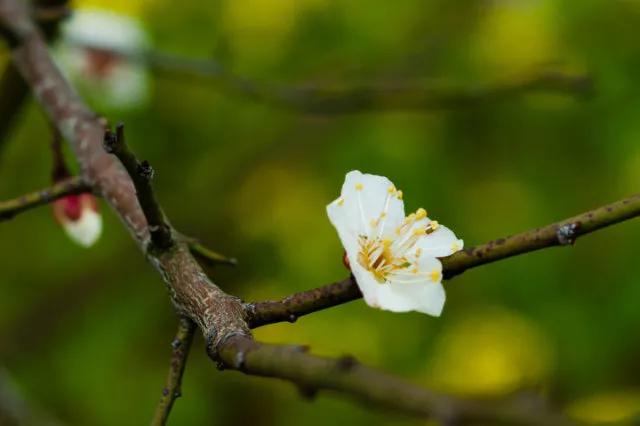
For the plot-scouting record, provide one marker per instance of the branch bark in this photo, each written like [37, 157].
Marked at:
[346, 375]
[14, 90]
[557, 234]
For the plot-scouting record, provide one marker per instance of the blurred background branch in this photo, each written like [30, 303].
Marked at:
[352, 98]
[15, 410]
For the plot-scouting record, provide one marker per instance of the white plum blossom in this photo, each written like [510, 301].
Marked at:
[393, 258]
[103, 52]
[80, 218]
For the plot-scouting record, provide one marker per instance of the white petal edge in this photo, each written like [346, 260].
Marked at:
[364, 197]
[440, 243]
[86, 230]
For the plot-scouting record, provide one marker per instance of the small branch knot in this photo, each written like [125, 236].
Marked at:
[110, 142]
[145, 170]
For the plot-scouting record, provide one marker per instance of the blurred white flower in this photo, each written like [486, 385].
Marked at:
[80, 218]
[393, 259]
[103, 53]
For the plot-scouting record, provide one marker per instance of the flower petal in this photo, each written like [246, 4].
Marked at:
[86, 230]
[421, 288]
[339, 218]
[366, 197]
[369, 287]
[440, 243]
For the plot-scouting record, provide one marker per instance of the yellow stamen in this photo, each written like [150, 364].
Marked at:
[358, 186]
[419, 231]
[392, 190]
[434, 225]
[399, 195]
[398, 230]
[383, 214]
[415, 271]
[341, 201]
[387, 242]
[434, 275]
[373, 223]
[418, 252]
[455, 247]
[421, 213]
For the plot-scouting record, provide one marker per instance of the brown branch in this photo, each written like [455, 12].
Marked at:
[347, 376]
[141, 175]
[14, 91]
[557, 234]
[347, 98]
[181, 345]
[72, 186]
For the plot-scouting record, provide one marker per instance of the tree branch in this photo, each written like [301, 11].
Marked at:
[9, 209]
[14, 91]
[344, 98]
[141, 175]
[557, 234]
[181, 345]
[347, 376]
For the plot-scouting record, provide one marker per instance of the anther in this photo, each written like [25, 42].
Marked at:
[392, 190]
[399, 195]
[434, 225]
[358, 186]
[341, 201]
[421, 213]
[434, 275]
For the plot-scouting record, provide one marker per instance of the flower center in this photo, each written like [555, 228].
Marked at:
[385, 256]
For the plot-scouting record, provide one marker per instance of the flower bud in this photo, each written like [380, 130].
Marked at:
[80, 218]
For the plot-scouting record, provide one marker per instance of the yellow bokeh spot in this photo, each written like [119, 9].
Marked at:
[611, 407]
[515, 37]
[490, 351]
[259, 30]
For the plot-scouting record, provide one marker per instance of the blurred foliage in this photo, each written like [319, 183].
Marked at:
[85, 333]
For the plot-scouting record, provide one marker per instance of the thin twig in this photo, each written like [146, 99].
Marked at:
[210, 257]
[556, 234]
[347, 376]
[141, 175]
[181, 345]
[72, 186]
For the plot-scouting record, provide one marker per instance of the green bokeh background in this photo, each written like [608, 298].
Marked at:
[85, 333]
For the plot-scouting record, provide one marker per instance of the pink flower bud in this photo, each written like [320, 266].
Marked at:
[80, 218]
